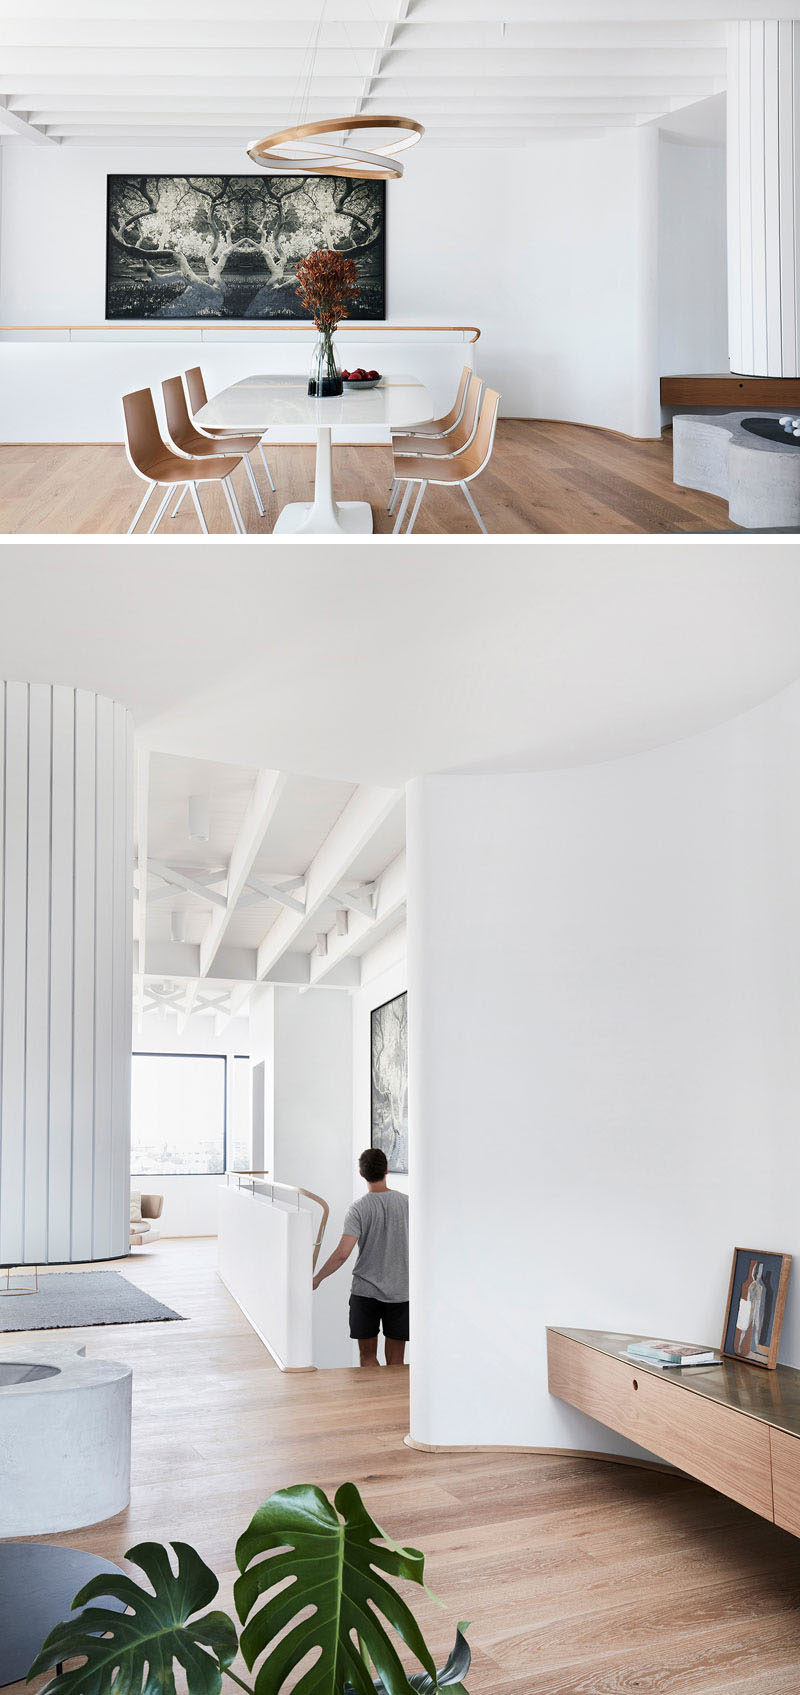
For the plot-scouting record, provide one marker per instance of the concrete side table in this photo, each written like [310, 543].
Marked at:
[759, 478]
[65, 1439]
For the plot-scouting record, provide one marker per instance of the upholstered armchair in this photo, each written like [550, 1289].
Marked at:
[144, 1208]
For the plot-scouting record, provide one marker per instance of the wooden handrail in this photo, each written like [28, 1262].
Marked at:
[291, 1188]
[209, 324]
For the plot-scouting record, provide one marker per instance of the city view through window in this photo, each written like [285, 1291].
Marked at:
[178, 1114]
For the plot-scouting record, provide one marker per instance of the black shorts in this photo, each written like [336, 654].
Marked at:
[367, 1316]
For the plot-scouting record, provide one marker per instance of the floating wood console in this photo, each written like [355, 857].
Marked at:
[735, 1427]
[730, 390]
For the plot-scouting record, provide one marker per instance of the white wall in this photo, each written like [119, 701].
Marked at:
[191, 1204]
[550, 251]
[583, 253]
[306, 1043]
[604, 1000]
[692, 257]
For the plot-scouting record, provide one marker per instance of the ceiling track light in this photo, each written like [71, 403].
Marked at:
[296, 151]
[199, 817]
[177, 926]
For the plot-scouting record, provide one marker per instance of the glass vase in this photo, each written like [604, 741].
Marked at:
[325, 379]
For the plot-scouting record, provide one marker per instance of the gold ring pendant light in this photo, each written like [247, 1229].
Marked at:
[301, 150]
[292, 152]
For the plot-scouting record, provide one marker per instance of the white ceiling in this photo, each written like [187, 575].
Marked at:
[354, 670]
[176, 917]
[371, 665]
[474, 72]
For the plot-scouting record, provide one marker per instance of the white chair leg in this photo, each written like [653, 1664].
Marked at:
[396, 487]
[235, 511]
[179, 502]
[266, 467]
[398, 525]
[162, 509]
[192, 487]
[392, 487]
[474, 509]
[250, 474]
[140, 508]
[417, 505]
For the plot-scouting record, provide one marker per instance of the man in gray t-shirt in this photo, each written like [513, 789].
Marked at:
[379, 1298]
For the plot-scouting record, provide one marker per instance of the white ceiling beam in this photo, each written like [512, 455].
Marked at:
[142, 797]
[194, 11]
[391, 949]
[180, 880]
[382, 49]
[236, 1007]
[271, 891]
[453, 65]
[617, 11]
[480, 110]
[363, 816]
[24, 62]
[556, 12]
[286, 36]
[267, 791]
[19, 124]
[356, 900]
[517, 123]
[390, 898]
[205, 879]
[420, 34]
[188, 1006]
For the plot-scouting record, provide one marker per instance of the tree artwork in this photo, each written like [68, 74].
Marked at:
[229, 247]
[389, 1065]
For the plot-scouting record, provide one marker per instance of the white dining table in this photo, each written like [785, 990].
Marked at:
[260, 403]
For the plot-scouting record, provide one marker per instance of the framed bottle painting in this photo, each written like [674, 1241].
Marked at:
[756, 1300]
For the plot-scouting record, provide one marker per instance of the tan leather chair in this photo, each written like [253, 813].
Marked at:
[455, 472]
[443, 447]
[196, 390]
[444, 426]
[184, 435]
[151, 459]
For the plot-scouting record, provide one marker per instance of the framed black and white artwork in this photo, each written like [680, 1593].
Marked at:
[228, 247]
[389, 1059]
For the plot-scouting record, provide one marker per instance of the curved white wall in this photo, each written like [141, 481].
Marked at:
[551, 250]
[66, 893]
[604, 1000]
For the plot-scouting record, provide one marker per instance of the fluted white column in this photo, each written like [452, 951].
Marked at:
[66, 879]
[763, 187]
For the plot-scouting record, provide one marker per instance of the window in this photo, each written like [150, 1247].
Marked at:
[178, 1114]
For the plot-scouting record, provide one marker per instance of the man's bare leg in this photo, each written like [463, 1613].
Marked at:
[368, 1350]
[395, 1352]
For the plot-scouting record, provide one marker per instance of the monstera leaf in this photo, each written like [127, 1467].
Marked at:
[333, 1560]
[145, 1642]
[450, 1678]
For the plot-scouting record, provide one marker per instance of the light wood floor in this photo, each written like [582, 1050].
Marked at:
[581, 1578]
[543, 479]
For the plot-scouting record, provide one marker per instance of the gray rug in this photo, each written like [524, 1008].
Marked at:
[72, 1300]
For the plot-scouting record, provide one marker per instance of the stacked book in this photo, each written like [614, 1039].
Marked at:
[671, 1353]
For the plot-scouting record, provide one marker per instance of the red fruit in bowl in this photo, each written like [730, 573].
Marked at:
[345, 376]
[374, 376]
